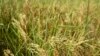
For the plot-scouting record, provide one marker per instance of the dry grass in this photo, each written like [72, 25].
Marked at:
[50, 28]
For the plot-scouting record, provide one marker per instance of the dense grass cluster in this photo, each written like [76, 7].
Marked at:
[50, 27]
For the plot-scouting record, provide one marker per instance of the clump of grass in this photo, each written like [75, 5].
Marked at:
[39, 28]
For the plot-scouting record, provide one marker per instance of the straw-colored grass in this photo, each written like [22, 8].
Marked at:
[50, 27]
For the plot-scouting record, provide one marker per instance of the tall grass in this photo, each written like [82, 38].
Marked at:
[50, 27]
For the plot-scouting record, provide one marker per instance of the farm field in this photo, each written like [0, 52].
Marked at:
[49, 27]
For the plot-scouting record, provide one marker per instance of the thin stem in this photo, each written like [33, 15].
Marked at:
[88, 8]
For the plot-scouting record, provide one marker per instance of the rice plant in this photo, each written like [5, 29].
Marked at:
[49, 28]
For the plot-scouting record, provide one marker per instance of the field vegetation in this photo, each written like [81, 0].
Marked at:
[50, 27]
